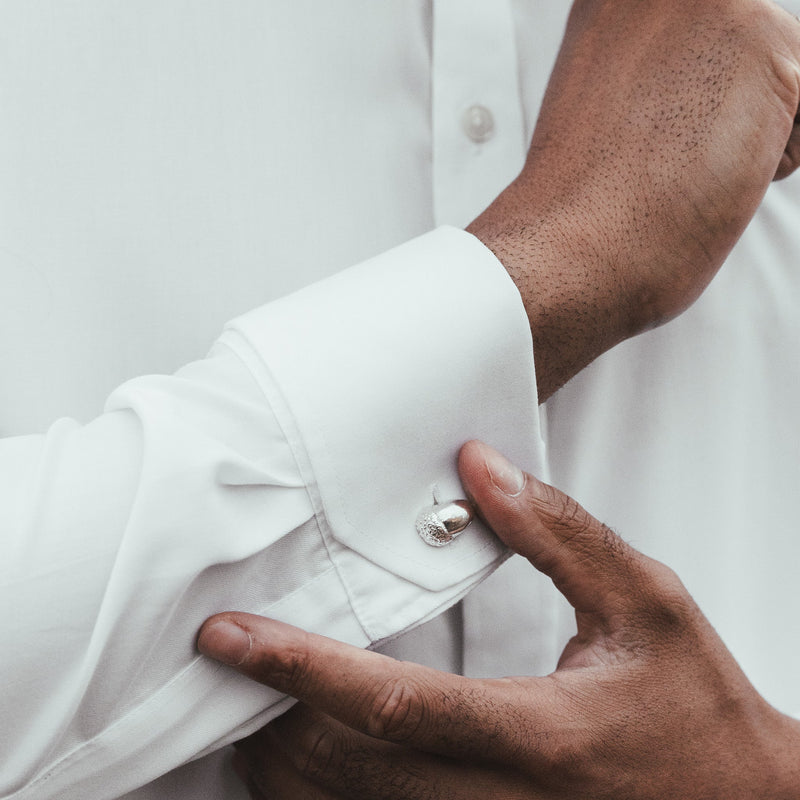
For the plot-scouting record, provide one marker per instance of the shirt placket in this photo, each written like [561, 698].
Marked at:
[479, 140]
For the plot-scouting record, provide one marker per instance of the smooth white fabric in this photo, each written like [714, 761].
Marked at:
[167, 166]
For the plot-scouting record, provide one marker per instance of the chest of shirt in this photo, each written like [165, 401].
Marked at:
[166, 167]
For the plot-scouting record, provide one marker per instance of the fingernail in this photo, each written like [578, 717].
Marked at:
[507, 477]
[225, 642]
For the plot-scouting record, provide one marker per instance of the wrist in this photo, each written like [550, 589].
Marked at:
[577, 302]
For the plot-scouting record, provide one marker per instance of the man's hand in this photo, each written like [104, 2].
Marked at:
[646, 701]
[663, 124]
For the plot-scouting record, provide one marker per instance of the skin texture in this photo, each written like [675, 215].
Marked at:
[663, 124]
[646, 701]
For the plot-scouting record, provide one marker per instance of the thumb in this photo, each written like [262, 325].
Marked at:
[590, 565]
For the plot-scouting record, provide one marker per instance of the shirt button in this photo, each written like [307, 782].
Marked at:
[478, 124]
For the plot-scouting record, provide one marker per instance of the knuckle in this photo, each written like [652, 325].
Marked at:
[666, 604]
[547, 501]
[398, 711]
[572, 518]
[576, 528]
[665, 587]
[563, 515]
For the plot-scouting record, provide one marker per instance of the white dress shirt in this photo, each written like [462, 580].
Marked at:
[167, 166]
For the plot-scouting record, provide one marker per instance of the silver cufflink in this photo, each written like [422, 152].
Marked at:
[441, 523]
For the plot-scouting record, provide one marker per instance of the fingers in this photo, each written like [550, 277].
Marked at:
[306, 754]
[400, 702]
[594, 569]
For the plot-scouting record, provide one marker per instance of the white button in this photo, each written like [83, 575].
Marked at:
[478, 124]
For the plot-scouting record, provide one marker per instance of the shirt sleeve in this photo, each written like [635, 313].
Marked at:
[281, 475]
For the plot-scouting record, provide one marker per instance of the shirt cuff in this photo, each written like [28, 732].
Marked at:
[374, 378]
[378, 376]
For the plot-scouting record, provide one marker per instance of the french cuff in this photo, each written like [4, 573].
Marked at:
[378, 375]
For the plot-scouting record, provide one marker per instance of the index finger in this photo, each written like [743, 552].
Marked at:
[397, 701]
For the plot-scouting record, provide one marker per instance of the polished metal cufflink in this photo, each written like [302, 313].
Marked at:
[441, 523]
